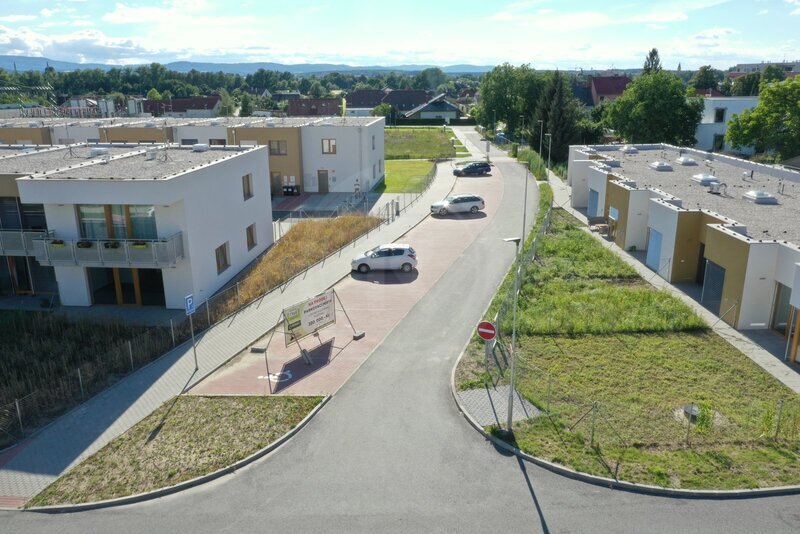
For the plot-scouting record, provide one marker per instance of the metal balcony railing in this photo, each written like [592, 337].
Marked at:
[142, 253]
[20, 242]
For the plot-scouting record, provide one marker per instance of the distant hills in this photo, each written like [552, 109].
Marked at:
[26, 63]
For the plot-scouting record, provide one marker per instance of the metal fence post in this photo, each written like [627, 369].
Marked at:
[778, 419]
[130, 353]
[549, 390]
[689, 422]
[80, 383]
[19, 417]
[594, 420]
[238, 296]
[208, 314]
[172, 331]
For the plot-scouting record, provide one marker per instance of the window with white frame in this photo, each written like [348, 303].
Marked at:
[278, 148]
[251, 236]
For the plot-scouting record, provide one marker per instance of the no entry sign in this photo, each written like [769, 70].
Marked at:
[486, 330]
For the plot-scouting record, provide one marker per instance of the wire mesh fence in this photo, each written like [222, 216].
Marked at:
[119, 351]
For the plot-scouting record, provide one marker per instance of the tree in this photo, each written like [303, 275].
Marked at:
[153, 94]
[316, 90]
[774, 124]
[226, 103]
[655, 109]
[652, 62]
[382, 110]
[559, 112]
[746, 85]
[429, 78]
[705, 78]
[772, 73]
[246, 108]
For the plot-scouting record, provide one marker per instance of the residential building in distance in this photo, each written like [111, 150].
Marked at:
[607, 88]
[717, 113]
[790, 68]
[723, 228]
[189, 107]
[436, 108]
[365, 98]
[342, 154]
[150, 225]
[312, 107]
[405, 99]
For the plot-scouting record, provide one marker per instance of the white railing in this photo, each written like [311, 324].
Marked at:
[20, 242]
[155, 253]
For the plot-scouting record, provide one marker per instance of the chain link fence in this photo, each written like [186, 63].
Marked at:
[118, 358]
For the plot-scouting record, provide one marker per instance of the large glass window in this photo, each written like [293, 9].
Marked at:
[93, 221]
[9, 214]
[128, 222]
[143, 222]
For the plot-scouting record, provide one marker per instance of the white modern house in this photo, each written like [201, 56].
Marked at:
[343, 154]
[725, 227]
[151, 225]
[717, 113]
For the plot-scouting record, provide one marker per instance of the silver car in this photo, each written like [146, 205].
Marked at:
[386, 257]
[458, 204]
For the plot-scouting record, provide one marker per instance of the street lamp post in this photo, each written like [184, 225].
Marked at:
[549, 146]
[518, 241]
[541, 130]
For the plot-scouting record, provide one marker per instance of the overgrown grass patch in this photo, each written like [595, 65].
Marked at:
[417, 143]
[187, 437]
[405, 176]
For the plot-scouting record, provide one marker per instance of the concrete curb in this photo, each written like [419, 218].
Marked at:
[141, 497]
[610, 482]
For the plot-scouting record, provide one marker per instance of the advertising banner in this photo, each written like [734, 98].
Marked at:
[308, 317]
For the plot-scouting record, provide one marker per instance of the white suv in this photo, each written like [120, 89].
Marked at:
[458, 204]
[386, 257]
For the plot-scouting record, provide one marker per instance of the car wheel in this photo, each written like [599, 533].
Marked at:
[473, 209]
[406, 268]
[442, 211]
[363, 268]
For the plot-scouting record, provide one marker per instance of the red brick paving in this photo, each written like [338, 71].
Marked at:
[375, 302]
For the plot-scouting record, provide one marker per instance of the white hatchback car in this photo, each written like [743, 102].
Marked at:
[458, 204]
[386, 257]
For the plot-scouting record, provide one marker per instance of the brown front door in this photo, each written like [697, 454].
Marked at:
[20, 276]
[322, 181]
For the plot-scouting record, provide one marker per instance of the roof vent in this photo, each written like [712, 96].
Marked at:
[98, 123]
[33, 124]
[200, 147]
[660, 166]
[150, 154]
[611, 162]
[684, 160]
[106, 158]
[150, 125]
[98, 151]
[715, 188]
[215, 123]
[760, 197]
[628, 149]
[704, 179]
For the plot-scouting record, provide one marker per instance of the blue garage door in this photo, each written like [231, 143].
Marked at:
[654, 250]
[594, 198]
[713, 284]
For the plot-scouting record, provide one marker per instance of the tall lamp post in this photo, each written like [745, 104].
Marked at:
[549, 146]
[541, 131]
[518, 241]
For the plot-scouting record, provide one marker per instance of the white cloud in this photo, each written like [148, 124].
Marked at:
[763, 12]
[796, 4]
[45, 12]
[16, 18]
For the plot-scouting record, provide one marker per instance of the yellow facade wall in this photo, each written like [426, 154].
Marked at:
[618, 197]
[36, 136]
[289, 165]
[8, 185]
[731, 253]
[690, 233]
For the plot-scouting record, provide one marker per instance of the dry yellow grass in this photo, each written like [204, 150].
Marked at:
[304, 244]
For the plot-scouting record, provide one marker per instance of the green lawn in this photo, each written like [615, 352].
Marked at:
[185, 438]
[417, 143]
[405, 176]
[613, 362]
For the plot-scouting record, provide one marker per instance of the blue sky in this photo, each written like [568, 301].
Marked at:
[546, 34]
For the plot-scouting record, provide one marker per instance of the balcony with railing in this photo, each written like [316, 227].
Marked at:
[140, 253]
[20, 242]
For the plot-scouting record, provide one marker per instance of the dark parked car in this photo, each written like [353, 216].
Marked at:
[477, 168]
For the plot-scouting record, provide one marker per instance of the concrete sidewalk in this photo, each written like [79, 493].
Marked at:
[774, 366]
[31, 466]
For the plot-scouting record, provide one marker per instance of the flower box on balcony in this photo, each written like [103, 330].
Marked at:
[111, 244]
[57, 243]
[139, 244]
[84, 244]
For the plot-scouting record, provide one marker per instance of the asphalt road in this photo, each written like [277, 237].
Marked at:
[391, 453]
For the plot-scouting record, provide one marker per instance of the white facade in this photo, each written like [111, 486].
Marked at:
[717, 113]
[205, 203]
[358, 162]
[76, 132]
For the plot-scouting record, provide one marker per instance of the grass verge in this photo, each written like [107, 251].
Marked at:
[405, 176]
[613, 362]
[185, 438]
[417, 143]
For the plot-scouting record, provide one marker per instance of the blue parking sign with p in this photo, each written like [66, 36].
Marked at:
[189, 301]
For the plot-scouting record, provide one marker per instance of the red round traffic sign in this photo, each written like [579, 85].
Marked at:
[486, 330]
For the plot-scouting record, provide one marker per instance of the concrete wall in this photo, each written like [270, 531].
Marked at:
[663, 218]
[597, 180]
[636, 226]
[578, 175]
[81, 133]
[758, 293]
[73, 283]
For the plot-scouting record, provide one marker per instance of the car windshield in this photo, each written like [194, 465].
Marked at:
[449, 199]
